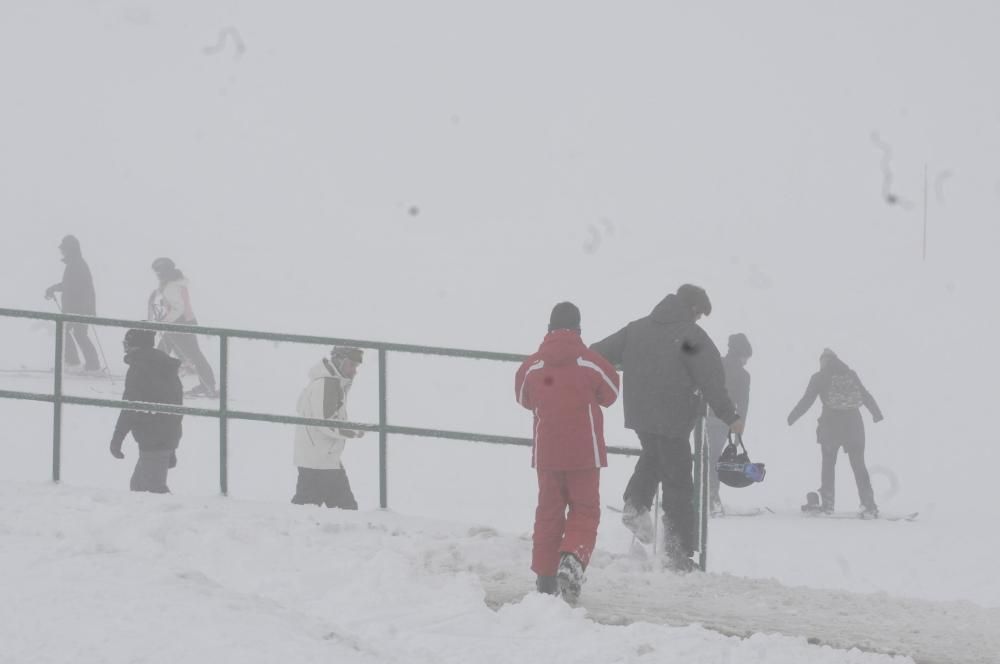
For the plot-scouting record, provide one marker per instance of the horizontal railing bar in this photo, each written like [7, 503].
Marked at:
[287, 419]
[263, 336]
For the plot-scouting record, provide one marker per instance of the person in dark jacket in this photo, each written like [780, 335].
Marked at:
[565, 385]
[738, 386]
[670, 365]
[152, 377]
[77, 288]
[840, 425]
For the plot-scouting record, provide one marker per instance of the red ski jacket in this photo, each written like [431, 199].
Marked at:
[565, 384]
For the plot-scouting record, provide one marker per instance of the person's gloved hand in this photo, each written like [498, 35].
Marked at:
[49, 293]
[116, 450]
[737, 426]
[172, 462]
[878, 418]
[790, 421]
[352, 433]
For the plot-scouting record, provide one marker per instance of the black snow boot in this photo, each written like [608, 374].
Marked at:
[547, 585]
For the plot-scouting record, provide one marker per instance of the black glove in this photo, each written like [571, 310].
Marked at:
[116, 450]
[790, 421]
[49, 293]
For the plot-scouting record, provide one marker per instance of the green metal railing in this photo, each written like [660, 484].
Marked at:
[224, 413]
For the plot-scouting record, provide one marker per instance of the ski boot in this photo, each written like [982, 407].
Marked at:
[868, 512]
[813, 505]
[569, 578]
[639, 522]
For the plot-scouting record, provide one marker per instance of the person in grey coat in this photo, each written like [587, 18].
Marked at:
[669, 364]
[738, 386]
[840, 425]
[152, 377]
[77, 288]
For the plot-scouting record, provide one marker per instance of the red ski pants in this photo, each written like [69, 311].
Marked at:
[555, 531]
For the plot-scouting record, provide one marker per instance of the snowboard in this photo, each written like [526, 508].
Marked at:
[812, 508]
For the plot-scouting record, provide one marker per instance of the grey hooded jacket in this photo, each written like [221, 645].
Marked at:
[668, 362]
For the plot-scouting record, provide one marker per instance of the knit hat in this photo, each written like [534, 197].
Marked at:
[565, 316]
[696, 298]
[739, 345]
[827, 354]
[136, 338]
[347, 352]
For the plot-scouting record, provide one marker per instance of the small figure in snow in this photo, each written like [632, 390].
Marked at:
[667, 360]
[171, 303]
[840, 425]
[738, 386]
[565, 385]
[77, 288]
[322, 476]
[152, 378]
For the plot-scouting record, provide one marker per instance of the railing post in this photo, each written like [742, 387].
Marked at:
[223, 414]
[701, 486]
[383, 489]
[57, 404]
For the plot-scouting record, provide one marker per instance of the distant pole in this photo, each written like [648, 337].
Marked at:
[925, 212]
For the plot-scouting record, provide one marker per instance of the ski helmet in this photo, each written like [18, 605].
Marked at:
[163, 265]
[136, 338]
[734, 467]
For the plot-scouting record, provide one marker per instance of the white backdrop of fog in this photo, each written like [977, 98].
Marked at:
[443, 172]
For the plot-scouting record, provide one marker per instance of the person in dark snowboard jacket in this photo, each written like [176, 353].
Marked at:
[738, 386]
[840, 425]
[565, 385]
[670, 365]
[77, 288]
[152, 377]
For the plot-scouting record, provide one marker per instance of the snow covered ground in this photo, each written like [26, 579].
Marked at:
[104, 576]
[443, 173]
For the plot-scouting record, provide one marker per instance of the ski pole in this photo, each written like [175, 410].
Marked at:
[107, 369]
[656, 516]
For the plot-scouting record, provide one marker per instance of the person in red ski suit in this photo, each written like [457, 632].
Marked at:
[565, 384]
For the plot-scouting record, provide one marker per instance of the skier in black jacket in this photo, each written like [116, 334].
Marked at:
[77, 288]
[152, 377]
[669, 364]
[840, 425]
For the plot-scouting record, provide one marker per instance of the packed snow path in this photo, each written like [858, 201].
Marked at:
[929, 632]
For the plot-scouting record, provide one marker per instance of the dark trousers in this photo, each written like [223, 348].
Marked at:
[856, 455]
[666, 460]
[186, 347]
[76, 335]
[557, 532]
[150, 472]
[324, 487]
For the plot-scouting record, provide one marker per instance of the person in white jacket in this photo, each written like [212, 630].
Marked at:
[322, 476]
[171, 303]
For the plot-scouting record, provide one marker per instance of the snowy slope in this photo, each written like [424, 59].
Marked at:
[108, 577]
[443, 173]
